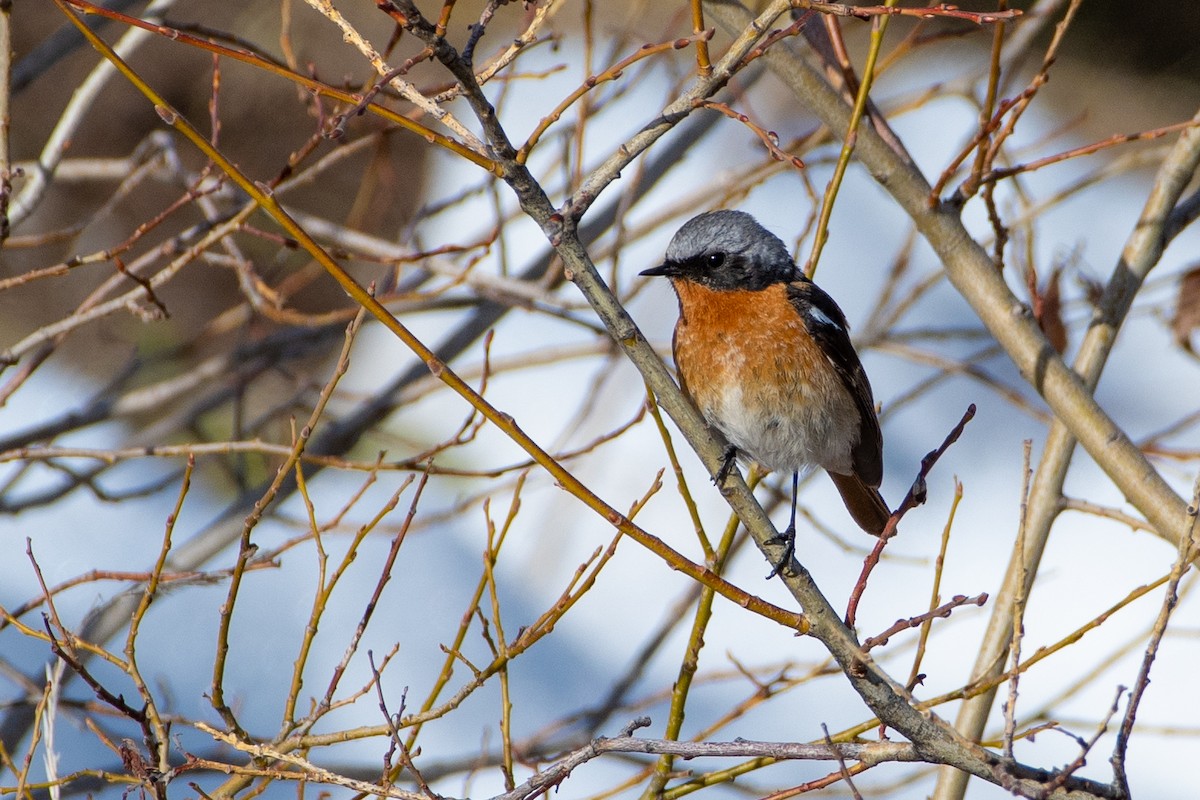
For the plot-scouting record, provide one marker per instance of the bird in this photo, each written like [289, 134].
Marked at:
[766, 358]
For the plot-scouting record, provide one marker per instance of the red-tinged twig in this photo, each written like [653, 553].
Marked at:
[985, 155]
[611, 74]
[63, 651]
[992, 95]
[776, 36]
[976, 141]
[214, 103]
[820, 783]
[769, 138]
[337, 127]
[991, 134]
[1085, 150]
[929, 12]
[52, 609]
[390, 9]
[915, 497]
[992, 145]
[125, 576]
[1039, 80]
[255, 60]
[943, 611]
[145, 284]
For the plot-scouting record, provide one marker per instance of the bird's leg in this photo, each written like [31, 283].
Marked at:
[728, 459]
[788, 537]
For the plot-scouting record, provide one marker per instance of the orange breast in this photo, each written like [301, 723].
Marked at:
[748, 363]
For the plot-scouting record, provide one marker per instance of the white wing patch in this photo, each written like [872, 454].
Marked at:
[822, 318]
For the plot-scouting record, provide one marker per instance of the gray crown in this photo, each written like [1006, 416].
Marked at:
[734, 233]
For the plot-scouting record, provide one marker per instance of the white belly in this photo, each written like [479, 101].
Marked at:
[789, 434]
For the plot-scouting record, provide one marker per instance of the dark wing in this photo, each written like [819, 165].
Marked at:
[827, 325]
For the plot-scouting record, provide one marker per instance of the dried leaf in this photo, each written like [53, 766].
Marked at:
[1047, 310]
[1187, 309]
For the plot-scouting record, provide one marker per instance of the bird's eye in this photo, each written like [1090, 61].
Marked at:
[714, 260]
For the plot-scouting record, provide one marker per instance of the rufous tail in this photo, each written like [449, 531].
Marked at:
[865, 503]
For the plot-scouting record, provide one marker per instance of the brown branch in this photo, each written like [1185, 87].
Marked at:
[927, 12]
[1086, 150]
[308, 83]
[611, 74]
[145, 284]
[942, 611]
[915, 497]
[769, 138]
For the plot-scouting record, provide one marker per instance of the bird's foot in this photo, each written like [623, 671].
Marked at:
[728, 459]
[786, 538]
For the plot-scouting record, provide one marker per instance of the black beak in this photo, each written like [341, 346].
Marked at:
[666, 269]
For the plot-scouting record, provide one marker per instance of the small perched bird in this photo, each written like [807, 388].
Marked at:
[766, 358]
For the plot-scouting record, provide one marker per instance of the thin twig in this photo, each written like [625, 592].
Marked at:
[920, 620]
[1188, 548]
[915, 497]
[1018, 627]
